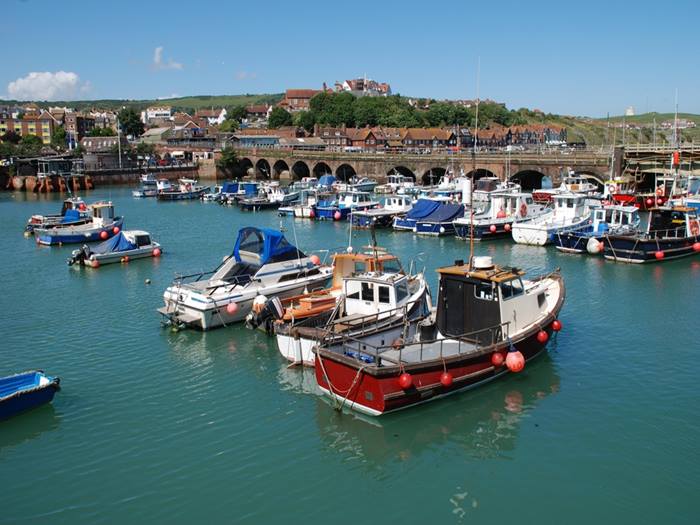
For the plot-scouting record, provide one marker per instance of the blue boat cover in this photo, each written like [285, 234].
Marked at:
[118, 243]
[445, 211]
[422, 208]
[71, 216]
[326, 180]
[270, 245]
[229, 187]
[250, 188]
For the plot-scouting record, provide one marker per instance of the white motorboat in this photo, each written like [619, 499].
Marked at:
[571, 211]
[383, 215]
[263, 264]
[123, 247]
[148, 188]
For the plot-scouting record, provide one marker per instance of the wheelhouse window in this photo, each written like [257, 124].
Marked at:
[391, 266]
[401, 291]
[367, 292]
[485, 291]
[383, 295]
[511, 289]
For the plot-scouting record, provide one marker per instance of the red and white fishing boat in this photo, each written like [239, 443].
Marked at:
[489, 321]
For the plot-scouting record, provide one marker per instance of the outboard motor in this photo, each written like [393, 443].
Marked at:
[271, 311]
[80, 256]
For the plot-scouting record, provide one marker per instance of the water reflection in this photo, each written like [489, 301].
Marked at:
[28, 426]
[483, 423]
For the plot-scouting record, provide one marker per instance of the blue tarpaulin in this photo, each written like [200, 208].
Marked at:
[270, 245]
[445, 212]
[250, 188]
[118, 243]
[326, 181]
[422, 208]
[229, 187]
[71, 216]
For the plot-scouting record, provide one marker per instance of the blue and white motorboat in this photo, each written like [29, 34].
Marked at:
[606, 220]
[503, 209]
[273, 192]
[572, 211]
[102, 226]
[420, 210]
[187, 189]
[214, 194]
[326, 182]
[441, 220]
[22, 392]
[341, 207]
[361, 184]
[383, 215]
[73, 211]
[123, 247]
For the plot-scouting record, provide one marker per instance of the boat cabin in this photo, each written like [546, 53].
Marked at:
[348, 264]
[570, 205]
[487, 302]
[138, 237]
[396, 203]
[508, 204]
[578, 184]
[352, 199]
[487, 184]
[614, 218]
[73, 203]
[372, 292]
[103, 211]
[676, 222]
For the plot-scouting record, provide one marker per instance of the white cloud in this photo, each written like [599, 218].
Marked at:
[61, 85]
[246, 75]
[158, 60]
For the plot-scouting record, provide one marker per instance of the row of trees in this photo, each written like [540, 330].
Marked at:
[336, 109]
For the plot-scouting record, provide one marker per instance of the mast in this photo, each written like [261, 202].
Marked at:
[471, 185]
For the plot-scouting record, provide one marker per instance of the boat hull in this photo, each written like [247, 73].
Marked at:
[629, 249]
[180, 195]
[434, 228]
[21, 394]
[73, 235]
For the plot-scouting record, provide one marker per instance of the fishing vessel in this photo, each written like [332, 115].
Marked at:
[356, 184]
[397, 184]
[441, 220]
[571, 212]
[186, 189]
[606, 220]
[74, 211]
[339, 209]
[383, 215]
[489, 321]
[103, 224]
[670, 233]
[25, 391]
[504, 208]
[148, 187]
[263, 263]
[123, 247]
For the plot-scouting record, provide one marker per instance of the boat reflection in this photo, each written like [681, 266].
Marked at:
[483, 423]
[28, 426]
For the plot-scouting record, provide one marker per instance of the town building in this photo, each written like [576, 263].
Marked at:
[39, 123]
[258, 111]
[156, 115]
[364, 87]
[103, 144]
[298, 99]
[77, 125]
[214, 117]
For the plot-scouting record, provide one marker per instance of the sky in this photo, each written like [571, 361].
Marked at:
[575, 58]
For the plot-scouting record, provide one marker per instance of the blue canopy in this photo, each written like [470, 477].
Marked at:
[422, 208]
[270, 245]
[446, 211]
[326, 180]
[118, 243]
[229, 187]
[250, 188]
[71, 216]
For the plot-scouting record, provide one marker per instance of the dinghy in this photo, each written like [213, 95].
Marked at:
[123, 247]
[22, 392]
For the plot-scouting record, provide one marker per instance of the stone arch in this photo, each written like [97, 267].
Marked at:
[280, 170]
[529, 179]
[247, 167]
[321, 169]
[344, 172]
[262, 169]
[432, 176]
[402, 170]
[300, 169]
[480, 172]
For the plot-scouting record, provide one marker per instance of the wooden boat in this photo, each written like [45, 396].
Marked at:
[22, 392]
[123, 247]
[489, 322]
[670, 233]
[74, 211]
[102, 226]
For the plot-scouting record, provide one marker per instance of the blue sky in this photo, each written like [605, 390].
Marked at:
[578, 58]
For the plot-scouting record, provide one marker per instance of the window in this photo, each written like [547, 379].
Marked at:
[367, 292]
[511, 289]
[485, 291]
[401, 291]
[391, 266]
[359, 267]
[383, 294]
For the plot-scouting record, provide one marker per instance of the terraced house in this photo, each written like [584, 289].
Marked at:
[41, 124]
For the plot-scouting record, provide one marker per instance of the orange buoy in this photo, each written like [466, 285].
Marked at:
[542, 336]
[231, 308]
[696, 247]
[126, 258]
[492, 228]
[405, 380]
[337, 215]
[156, 252]
[507, 227]
[659, 255]
[676, 158]
[104, 235]
[650, 201]
[501, 214]
[315, 259]
[312, 213]
[116, 230]
[497, 359]
[556, 325]
[446, 379]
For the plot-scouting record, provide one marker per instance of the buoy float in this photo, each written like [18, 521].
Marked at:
[542, 336]
[501, 214]
[446, 379]
[659, 201]
[147, 281]
[312, 214]
[492, 228]
[650, 201]
[95, 263]
[676, 158]
[315, 259]
[556, 325]
[231, 308]
[156, 252]
[507, 227]
[126, 258]
[405, 380]
[497, 359]
[337, 216]
[116, 230]
[696, 247]
[104, 235]
[659, 255]
[82, 206]
[515, 360]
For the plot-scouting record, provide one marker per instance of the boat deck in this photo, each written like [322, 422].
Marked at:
[418, 353]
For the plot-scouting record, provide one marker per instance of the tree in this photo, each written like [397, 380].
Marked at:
[280, 117]
[11, 137]
[306, 120]
[130, 122]
[143, 149]
[228, 162]
[229, 125]
[102, 132]
[31, 140]
[58, 139]
[237, 113]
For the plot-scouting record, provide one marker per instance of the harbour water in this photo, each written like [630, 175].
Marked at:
[155, 426]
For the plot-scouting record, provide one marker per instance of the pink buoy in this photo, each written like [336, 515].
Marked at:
[501, 214]
[446, 379]
[337, 215]
[696, 247]
[156, 252]
[104, 235]
[650, 202]
[231, 308]
[507, 227]
[405, 380]
[315, 259]
[497, 359]
[492, 228]
[515, 361]
[116, 230]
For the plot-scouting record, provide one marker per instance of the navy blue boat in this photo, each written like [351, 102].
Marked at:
[441, 221]
[421, 209]
[22, 392]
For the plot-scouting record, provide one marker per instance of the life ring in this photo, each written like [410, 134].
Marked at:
[694, 228]
[523, 210]
[612, 189]
[660, 191]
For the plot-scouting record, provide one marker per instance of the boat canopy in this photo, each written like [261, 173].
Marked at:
[230, 187]
[71, 215]
[118, 243]
[250, 188]
[446, 211]
[422, 208]
[269, 245]
[326, 180]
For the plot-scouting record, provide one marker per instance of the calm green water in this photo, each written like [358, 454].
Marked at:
[159, 427]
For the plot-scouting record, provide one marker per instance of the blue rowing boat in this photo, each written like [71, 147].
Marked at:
[22, 392]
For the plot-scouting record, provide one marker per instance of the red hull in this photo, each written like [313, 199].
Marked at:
[379, 392]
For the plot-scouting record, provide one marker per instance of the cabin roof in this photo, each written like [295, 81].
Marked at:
[495, 274]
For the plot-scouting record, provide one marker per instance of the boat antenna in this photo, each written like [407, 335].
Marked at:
[349, 250]
[373, 232]
[296, 243]
[471, 185]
